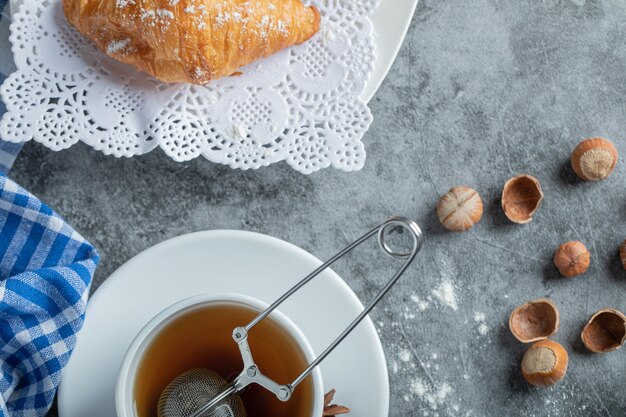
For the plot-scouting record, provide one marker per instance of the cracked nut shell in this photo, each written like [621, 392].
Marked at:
[521, 197]
[605, 331]
[460, 208]
[572, 259]
[535, 320]
[544, 363]
[594, 159]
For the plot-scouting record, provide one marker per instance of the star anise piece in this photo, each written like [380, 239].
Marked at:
[331, 410]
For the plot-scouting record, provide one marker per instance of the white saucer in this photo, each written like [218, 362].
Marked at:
[223, 261]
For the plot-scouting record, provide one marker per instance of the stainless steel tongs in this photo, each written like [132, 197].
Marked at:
[252, 374]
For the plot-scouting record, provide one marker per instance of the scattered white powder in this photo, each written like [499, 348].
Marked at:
[173, 2]
[437, 398]
[124, 3]
[445, 294]
[263, 26]
[479, 317]
[418, 388]
[421, 304]
[164, 14]
[404, 355]
[117, 46]
[434, 397]
[240, 131]
[271, 6]
[434, 394]
[282, 27]
[201, 17]
[221, 19]
[190, 9]
[161, 16]
[328, 33]
[199, 72]
[147, 14]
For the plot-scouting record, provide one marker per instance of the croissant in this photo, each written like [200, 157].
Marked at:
[192, 41]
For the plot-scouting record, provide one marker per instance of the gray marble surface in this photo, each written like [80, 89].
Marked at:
[482, 90]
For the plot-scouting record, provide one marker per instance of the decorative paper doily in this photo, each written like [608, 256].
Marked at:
[301, 105]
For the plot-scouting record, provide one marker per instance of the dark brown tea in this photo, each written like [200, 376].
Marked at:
[201, 338]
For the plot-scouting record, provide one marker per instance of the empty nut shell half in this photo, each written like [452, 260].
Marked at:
[544, 363]
[572, 259]
[460, 208]
[594, 159]
[605, 331]
[535, 320]
[521, 197]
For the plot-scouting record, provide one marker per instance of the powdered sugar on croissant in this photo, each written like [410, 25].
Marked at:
[192, 40]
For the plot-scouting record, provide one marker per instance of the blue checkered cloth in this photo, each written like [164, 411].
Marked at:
[8, 151]
[46, 269]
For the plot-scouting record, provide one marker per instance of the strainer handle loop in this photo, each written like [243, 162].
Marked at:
[403, 222]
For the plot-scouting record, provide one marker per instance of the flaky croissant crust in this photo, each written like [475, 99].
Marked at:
[192, 41]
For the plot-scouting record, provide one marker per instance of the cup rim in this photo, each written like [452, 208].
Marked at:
[125, 380]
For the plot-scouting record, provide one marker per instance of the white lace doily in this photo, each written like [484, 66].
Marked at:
[301, 105]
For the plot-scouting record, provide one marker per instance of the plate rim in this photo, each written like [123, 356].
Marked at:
[373, 83]
[101, 291]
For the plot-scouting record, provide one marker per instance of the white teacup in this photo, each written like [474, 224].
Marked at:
[124, 391]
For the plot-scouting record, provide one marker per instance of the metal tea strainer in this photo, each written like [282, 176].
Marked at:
[203, 393]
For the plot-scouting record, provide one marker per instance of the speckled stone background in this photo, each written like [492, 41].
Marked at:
[482, 90]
